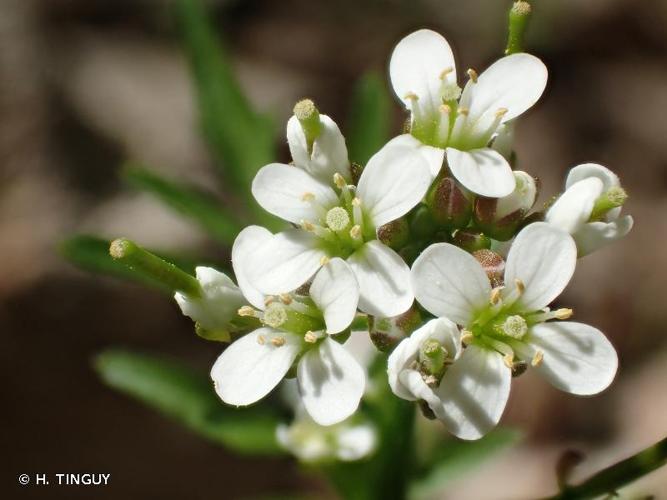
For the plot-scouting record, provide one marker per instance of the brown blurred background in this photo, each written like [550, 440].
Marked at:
[86, 84]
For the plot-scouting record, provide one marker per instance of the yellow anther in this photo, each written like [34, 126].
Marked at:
[472, 74]
[307, 196]
[463, 111]
[445, 109]
[411, 96]
[324, 260]
[310, 337]
[268, 299]
[246, 311]
[339, 180]
[307, 226]
[520, 286]
[278, 341]
[495, 295]
[261, 340]
[286, 298]
[563, 313]
[356, 202]
[355, 232]
[467, 337]
[537, 359]
[445, 72]
[501, 112]
[508, 359]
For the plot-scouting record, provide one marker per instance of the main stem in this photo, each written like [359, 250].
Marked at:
[614, 477]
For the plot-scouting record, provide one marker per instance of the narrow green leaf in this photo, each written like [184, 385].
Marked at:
[241, 140]
[187, 201]
[456, 458]
[370, 118]
[188, 398]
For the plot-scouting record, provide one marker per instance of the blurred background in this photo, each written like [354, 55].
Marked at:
[87, 84]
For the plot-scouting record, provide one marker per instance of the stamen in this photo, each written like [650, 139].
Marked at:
[443, 124]
[472, 74]
[495, 295]
[246, 311]
[501, 112]
[563, 313]
[307, 226]
[308, 196]
[261, 340]
[357, 216]
[463, 111]
[537, 359]
[268, 299]
[339, 180]
[310, 337]
[508, 359]
[278, 341]
[515, 293]
[355, 232]
[286, 298]
[411, 96]
[324, 260]
[467, 337]
[446, 72]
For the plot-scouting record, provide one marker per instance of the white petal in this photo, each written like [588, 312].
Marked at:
[335, 291]
[577, 358]
[248, 241]
[280, 190]
[514, 82]
[285, 262]
[483, 171]
[384, 280]
[331, 382]
[522, 198]
[434, 156]
[217, 306]
[449, 282]
[416, 65]
[329, 153]
[395, 179]
[474, 392]
[585, 170]
[573, 209]
[247, 370]
[543, 257]
[595, 235]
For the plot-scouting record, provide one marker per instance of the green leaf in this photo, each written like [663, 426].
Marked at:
[188, 397]
[241, 140]
[370, 118]
[455, 458]
[199, 206]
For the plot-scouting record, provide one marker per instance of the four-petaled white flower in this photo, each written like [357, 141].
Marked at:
[590, 208]
[506, 327]
[338, 220]
[462, 123]
[331, 382]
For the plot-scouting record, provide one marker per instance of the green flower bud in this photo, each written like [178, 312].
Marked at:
[470, 240]
[447, 204]
[395, 234]
[387, 332]
[421, 222]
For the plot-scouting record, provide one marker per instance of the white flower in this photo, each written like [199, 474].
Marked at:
[462, 123]
[418, 362]
[331, 382]
[590, 208]
[346, 441]
[338, 220]
[507, 327]
[220, 298]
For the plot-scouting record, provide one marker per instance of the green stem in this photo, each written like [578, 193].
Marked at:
[518, 21]
[609, 480]
[143, 262]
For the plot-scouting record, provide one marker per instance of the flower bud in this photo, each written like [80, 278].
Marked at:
[500, 217]
[387, 332]
[395, 234]
[447, 204]
[493, 265]
[470, 240]
[421, 223]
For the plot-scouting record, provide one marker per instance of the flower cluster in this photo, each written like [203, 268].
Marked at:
[433, 249]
